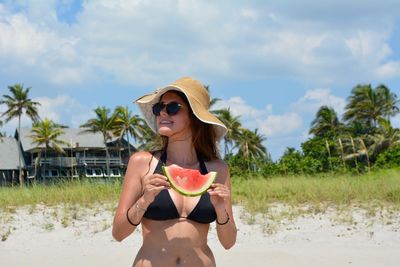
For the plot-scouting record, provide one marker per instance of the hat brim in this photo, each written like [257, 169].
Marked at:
[146, 103]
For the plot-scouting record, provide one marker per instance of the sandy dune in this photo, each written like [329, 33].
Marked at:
[82, 237]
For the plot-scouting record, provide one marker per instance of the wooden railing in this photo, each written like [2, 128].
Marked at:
[72, 161]
[99, 161]
[57, 161]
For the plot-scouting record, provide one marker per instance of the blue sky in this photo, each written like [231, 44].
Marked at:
[274, 63]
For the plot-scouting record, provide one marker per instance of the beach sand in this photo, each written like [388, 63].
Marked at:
[56, 236]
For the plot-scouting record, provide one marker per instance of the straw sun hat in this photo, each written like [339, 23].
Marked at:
[198, 98]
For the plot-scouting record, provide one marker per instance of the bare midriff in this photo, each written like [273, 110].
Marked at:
[172, 243]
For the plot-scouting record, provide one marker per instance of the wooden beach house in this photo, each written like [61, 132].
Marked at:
[9, 161]
[84, 156]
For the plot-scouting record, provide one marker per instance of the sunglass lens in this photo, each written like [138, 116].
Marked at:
[173, 108]
[157, 108]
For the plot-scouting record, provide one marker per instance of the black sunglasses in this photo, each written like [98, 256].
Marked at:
[172, 108]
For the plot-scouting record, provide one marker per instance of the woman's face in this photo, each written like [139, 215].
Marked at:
[174, 126]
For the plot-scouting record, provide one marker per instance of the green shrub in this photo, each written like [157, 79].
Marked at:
[388, 159]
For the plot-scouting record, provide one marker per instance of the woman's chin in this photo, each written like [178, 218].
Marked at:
[165, 131]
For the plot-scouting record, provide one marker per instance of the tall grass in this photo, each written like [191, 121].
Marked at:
[83, 192]
[382, 187]
[255, 193]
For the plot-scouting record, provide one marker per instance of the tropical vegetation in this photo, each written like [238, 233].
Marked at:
[362, 140]
[103, 123]
[45, 134]
[127, 124]
[19, 103]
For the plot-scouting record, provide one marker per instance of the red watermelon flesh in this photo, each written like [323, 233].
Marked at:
[188, 182]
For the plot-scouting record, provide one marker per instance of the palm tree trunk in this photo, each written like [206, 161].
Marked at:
[107, 161]
[342, 152]
[129, 145]
[329, 154]
[37, 163]
[45, 162]
[247, 156]
[107, 155]
[354, 152]
[21, 177]
[366, 153]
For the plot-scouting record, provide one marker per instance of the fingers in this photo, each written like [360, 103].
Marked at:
[156, 180]
[219, 190]
[153, 184]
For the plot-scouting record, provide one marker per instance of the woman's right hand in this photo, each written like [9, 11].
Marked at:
[152, 185]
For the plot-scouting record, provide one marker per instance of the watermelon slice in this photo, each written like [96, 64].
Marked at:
[188, 182]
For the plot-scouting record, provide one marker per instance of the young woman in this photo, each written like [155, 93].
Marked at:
[175, 227]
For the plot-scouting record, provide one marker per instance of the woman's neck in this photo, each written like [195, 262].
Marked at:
[182, 153]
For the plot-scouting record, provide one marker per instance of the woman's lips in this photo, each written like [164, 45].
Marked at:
[165, 122]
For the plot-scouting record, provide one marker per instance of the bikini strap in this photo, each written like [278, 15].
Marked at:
[161, 162]
[203, 168]
[163, 157]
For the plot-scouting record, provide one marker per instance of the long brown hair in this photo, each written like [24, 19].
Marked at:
[204, 138]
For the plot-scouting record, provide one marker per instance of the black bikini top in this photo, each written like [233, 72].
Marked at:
[163, 207]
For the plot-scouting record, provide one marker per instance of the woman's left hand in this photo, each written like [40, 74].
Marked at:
[219, 194]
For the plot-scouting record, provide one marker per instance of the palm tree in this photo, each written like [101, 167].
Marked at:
[367, 105]
[364, 151]
[328, 149]
[17, 104]
[386, 137]
[326, 123]
[342, 152]
[354, 149]
[45, 133]
[213, 101]
[128, 125]
[104, 123]
[233, 125]
[149, 140]
[389, 101]
[250, 145]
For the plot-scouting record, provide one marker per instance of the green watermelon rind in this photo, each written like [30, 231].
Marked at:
[188, 193]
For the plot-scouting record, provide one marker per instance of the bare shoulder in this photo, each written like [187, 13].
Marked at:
[219, 166]
[140, 157]
[139, 163]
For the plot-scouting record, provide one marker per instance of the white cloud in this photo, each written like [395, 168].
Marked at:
[239, 107]
[19, 40]
[64, 109]
[288, 123]
[281, 125]
[135, 43]
[250, 13]
[12, 125]
[389, 70]
[263, 119]
[368, 45]
[37, 49]
[314, 99]
[148, 42]
[250, 116]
